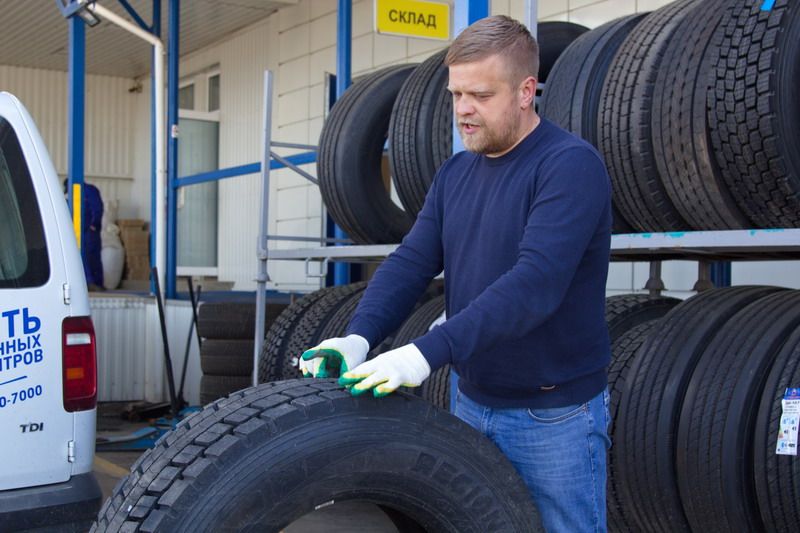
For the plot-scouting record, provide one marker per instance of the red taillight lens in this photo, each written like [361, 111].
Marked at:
[80, 364]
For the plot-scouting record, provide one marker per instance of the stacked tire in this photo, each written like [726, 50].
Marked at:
[693, 108]
[227, 330]
[696, 402]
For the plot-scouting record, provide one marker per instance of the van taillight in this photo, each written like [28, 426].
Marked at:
[80, 364]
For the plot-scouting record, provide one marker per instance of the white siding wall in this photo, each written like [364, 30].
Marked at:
[109, 134]
[130, 349]
[307, 50]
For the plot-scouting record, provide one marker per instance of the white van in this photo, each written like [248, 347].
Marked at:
[48, 377]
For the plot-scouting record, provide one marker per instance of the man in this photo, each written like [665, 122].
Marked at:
[91, 242]
[520, 223]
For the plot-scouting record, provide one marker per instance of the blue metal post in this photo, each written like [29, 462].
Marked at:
[466, 12]
[721, 273]
[156, 30]
[172, 147]
[75, 119]
[344, 40]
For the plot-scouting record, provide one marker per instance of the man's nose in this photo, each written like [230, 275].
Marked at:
[464, 107]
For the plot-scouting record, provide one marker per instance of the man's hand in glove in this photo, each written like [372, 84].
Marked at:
[338, 355]
[404, 366]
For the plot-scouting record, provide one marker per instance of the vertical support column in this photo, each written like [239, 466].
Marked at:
[721, 273]
[344, 45]
[156, 30]
[466, 12]
[655, 285]
[703, 282]
[75, 121]
[172, 145]
[262, 249]
[532, 16]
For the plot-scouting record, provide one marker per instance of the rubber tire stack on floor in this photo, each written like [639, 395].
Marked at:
[226, 351]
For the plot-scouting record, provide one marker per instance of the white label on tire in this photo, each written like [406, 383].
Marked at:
[790, 419]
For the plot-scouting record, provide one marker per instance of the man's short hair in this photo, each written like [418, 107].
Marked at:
[500, 35]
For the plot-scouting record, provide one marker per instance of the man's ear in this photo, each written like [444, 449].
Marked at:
[527, 92]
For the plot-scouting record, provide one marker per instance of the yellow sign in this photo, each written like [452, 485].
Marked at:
[412, 18]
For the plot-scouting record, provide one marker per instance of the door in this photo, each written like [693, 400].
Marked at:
[36, 428]
[197, 204]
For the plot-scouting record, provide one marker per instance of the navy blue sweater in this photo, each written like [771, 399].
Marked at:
[523, 240]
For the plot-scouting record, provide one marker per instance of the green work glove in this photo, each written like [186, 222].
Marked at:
[340, 354]
[404, 366]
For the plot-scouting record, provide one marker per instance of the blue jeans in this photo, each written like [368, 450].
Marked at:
[560, 454]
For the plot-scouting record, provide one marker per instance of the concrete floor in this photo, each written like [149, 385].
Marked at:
[110, 467]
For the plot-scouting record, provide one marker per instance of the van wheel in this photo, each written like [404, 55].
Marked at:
[266, 456]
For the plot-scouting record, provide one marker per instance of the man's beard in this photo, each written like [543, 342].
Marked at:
[490, 141]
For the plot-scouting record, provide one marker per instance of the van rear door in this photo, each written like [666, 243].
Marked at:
[33, 276]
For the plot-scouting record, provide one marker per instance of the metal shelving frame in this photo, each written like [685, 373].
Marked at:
[753, 244]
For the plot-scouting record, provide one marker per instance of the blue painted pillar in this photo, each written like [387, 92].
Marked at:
[721, 273]
[156, 30]
[173, 59]
[344, 40]
[75, 121]
[466, 12]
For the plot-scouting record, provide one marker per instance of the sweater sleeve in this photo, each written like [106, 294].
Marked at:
[572, 194]
[404, 275]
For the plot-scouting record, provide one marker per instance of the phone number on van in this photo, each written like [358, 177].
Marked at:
[20, 396]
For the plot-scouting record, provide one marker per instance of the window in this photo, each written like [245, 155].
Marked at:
[23, 249]
[213, 93]
[186, 97]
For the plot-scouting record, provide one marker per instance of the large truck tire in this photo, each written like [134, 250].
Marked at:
[572, 96]
[420, 131]
[553, 38]
[650, 405]
[754, 110]
[777, 477]
[714, 445]
[264, 457]
[626, 311]
[276, 342]
[435, 389]
[310, 330]
[623, 354]
[681, 143]
[350, 160]
[625, 129]
[337, 323]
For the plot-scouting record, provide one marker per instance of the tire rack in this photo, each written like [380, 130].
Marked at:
[701, 246]
[704, 247]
